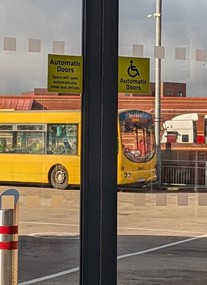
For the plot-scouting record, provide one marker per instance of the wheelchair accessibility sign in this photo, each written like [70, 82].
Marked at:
[133, 75]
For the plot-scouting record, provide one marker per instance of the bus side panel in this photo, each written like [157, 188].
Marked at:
[77, 174]
[28, 168]
[5, 168]
[36, 168]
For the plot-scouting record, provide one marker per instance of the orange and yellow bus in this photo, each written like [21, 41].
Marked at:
[44, 147]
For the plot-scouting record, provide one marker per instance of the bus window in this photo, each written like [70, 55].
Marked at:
[30, 142]
[6, 141]
[62, 139]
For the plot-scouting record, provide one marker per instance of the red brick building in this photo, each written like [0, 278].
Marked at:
[167, 89]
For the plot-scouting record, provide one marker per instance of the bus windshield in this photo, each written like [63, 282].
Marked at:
[137, 135]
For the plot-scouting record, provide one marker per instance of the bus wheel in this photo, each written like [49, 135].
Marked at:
[59, 177]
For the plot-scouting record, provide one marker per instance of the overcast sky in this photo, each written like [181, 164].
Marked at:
[184, 24]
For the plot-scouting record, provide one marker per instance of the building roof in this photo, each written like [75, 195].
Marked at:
[170, 107]
[16, 103]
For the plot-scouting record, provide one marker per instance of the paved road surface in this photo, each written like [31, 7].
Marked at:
[162, 238]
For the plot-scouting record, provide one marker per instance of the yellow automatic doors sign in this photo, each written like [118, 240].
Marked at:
[65, 73]
[133, 75]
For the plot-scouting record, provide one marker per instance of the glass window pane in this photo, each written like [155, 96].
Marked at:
[161, 223]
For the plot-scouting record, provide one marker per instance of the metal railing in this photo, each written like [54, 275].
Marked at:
[184, 173]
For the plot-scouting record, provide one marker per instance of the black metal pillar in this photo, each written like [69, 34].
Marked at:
[98, 249]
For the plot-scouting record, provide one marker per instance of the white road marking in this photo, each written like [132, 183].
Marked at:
[119, 228]
[160, 247]
[50, 276]
[159, 230]
[119, 257]
[44, 223]
[53, 235]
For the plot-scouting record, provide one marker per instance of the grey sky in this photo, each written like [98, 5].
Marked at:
[183, 25]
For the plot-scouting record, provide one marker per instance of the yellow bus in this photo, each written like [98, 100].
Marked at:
[44, 147]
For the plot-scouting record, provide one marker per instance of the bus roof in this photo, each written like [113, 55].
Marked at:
[37, 111]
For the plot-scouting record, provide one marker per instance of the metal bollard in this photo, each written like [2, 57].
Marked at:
[9, 237]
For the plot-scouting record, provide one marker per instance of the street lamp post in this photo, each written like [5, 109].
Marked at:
[157, 87]
[158, 17]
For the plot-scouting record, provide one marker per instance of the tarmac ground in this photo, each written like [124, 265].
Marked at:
[161, 237]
